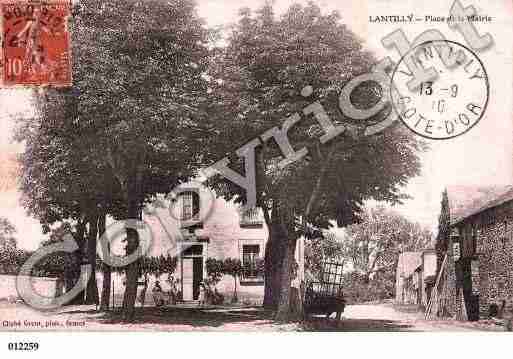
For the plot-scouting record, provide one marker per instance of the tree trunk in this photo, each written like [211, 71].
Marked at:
[274, 256]
[132, 245]
[268, 272]
[92, 296]
[132, 276]
[284, 314]
[235, 298]
[144, 290]
[73, 263]
[107, 278]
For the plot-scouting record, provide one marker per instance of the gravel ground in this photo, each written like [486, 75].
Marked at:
[86, 318]
[372, 317]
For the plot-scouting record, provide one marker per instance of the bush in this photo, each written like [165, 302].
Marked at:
[358, 290]
[215, 270]
[212, 296]
[233, 267]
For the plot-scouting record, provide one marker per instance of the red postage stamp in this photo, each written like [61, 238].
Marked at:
[36, 47]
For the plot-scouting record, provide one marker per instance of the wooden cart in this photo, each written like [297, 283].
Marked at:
[326, 297]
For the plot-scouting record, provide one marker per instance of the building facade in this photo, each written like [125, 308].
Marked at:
[200, 226]
[478, 272]
[415, 277]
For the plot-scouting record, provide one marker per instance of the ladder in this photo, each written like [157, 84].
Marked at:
[434, 301]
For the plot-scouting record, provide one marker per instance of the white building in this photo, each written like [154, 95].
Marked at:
[197, 226]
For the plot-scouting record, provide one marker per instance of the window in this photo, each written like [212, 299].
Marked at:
[491, 217]
[190, 206]
[251, 217]
[456, 251]
[488, 217]
[474, 238]
[251, 261]
[195, 250]
[504, 241]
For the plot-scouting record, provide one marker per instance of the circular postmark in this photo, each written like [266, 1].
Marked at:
[452, 96]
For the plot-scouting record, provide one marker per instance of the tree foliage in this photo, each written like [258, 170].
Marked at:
[57, 264]
[8, 249]
[158, 265]
[269, 59]
[233, 267]
[152, 102]
[12, 258]
[131, 126]
[7, 232]
[374, 245]
[444, 229]
[215, 270]
[369, 252]
[326, 247]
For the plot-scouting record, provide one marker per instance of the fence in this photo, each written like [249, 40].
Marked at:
[43, 286]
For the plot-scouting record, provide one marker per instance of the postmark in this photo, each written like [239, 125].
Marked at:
[36, 47]
[454, 99]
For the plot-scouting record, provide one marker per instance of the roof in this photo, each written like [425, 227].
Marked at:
[466, 201]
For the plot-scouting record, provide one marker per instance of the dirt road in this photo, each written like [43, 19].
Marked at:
[386, 317]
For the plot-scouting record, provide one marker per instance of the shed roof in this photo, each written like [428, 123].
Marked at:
[466, 201]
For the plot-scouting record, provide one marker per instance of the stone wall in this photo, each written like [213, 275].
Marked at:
[491, 270]
[43, 286]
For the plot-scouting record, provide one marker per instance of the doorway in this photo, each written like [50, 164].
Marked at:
[197, 276]
[470, 293]
[192, 272]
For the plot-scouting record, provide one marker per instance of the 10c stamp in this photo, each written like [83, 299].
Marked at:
[36, 47]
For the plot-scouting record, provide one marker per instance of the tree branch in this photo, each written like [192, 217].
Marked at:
[317, 188]
[115, 169]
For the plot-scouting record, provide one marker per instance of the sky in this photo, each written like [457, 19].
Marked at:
[482, 156]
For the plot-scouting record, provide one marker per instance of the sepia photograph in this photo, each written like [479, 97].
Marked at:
[255, 167]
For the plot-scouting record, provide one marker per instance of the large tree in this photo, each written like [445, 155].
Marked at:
[261, 73]
[56, 177]
[373, 246]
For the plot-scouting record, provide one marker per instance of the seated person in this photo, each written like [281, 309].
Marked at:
[157, 287]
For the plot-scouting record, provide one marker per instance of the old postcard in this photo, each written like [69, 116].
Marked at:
[256, 166]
